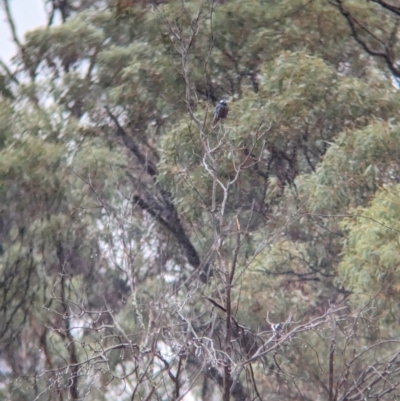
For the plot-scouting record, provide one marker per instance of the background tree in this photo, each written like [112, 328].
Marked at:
[146, 254]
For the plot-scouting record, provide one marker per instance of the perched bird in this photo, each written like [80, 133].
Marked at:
[277, 331]
[276, 328]
[221, 111]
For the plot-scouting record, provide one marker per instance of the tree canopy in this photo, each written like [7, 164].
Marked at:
[149, 254]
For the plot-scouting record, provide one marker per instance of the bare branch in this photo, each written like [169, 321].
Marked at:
[387, 6]
[11, 23]
[384, 53]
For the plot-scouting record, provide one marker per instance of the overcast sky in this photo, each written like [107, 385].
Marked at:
[28, 15]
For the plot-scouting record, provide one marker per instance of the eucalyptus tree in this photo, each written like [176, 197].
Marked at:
[147, 253]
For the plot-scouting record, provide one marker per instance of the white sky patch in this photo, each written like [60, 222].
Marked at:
[28, 15]
[395, 81]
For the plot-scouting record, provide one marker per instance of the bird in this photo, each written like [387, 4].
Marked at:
[276, 328]
[221, 111]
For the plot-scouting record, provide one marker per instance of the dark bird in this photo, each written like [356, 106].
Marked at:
[221, 111]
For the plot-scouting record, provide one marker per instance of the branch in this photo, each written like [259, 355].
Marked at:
[169, 219]
[131, 145]
[10, 74]
[275, 340]
[390, 7]
[11, 23]
[382, 54]
[332, 357]
[164, 213]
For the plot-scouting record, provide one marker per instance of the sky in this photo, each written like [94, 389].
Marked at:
[27, 15]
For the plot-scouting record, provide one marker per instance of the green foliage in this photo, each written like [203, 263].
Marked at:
[371, 261]
[67, 44]
[354, 167]
[118, 194]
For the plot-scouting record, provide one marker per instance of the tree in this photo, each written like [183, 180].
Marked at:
[147, 254]
[374, 26]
